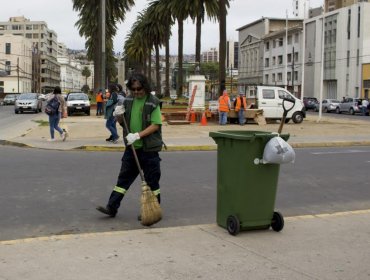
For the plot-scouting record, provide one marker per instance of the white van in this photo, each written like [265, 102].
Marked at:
[270, 99]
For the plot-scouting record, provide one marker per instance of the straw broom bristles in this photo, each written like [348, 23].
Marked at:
[151, 211]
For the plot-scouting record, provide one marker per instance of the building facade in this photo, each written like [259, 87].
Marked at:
[252, 49]
[346, 53]
[331, 5]
[46, 70]
[16, 63]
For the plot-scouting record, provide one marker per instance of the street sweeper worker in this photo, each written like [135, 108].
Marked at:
[142, 114]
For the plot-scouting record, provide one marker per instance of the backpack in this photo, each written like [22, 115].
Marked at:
[52, 106]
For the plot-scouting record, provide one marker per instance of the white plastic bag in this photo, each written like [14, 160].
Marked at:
[277, 150]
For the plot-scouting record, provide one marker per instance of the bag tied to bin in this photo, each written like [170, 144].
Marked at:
[277, 150]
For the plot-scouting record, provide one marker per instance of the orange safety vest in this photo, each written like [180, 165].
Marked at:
[99, 97]
[239, 103]
[223, 103]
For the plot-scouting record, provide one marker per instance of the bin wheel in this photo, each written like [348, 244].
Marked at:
[233, 225]
[277, 222]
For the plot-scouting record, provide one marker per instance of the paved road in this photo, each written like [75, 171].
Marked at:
[54, 192]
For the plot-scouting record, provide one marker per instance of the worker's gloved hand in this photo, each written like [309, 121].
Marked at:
[132, 137]
[120, 110]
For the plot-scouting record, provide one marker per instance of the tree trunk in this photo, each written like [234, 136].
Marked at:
[198, 38]
[167, 89]
[157, 68]
[150, 67]
[180, 55]
[222, 45]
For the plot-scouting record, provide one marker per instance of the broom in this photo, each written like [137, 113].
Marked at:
[151, 211]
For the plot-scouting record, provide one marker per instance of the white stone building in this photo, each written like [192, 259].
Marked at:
[16, 62]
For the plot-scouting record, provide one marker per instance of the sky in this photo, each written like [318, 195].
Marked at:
[60, 17]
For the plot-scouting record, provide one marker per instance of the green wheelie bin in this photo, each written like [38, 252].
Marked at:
[246, 188]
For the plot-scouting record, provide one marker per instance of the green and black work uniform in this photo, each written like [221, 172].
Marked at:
[140, 113]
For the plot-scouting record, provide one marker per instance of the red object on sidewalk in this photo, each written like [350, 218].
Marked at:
[204, 119]
[192, 117]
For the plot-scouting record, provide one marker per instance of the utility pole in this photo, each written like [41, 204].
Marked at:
[18, 72]
[103, 57]
[293, 72]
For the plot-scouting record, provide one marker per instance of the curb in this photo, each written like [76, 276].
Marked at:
[185, 147]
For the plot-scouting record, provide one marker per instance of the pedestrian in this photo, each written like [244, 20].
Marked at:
[143, 117]
[54, 118]
[110, 104]
[364, 104]
[120, 90]
[240, 107]
[224, 106]
[99, 103]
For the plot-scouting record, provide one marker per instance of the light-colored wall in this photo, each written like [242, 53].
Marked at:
[21, 54]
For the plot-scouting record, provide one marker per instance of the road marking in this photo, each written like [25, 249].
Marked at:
[114, 233]
[340, 152]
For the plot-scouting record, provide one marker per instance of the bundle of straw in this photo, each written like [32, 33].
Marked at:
[151, 211]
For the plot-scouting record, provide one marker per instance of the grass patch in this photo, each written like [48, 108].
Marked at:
[42, 122]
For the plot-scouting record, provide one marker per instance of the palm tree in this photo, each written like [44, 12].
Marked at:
[88, 25]
[86, 73]
[222, 45]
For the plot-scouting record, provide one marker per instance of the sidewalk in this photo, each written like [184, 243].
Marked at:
[89, 133]
[326, 246]
[309, 247]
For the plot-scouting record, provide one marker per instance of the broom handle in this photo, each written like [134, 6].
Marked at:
[134, 152]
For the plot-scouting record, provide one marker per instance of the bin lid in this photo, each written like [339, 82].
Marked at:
[246, 135]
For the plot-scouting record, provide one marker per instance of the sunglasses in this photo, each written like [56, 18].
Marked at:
[136, 89]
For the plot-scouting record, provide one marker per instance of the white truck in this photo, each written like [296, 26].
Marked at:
[270, 100]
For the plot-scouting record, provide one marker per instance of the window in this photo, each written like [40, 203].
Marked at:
[289, 57]
[273, 60]
[358, 22]
[267, 79]
[295, 75]
[296, 56]
[268, 94]
[267, 46]
[281, 40]
[267, 62]
[274, 44]
[273, 78]
[8, 48]
[283, 94]
[29, 35]
[289, 76]
[358, 57]
[349, 24]
[280, 59]
[28, 27]
[348, 54]
[35, 26]
[280, 77]
[7, 67]
[289, 39]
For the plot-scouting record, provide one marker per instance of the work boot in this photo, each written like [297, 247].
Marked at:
[110, 138]
[107, 211]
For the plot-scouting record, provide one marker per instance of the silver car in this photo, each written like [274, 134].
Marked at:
[349, 105]
[328, 105]
[28, 102]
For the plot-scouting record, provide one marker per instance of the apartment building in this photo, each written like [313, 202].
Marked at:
[46, 69]
[346, 53]
[331, 5]
[283, 58]
[211, 55]
[252, 49]
[16, 64]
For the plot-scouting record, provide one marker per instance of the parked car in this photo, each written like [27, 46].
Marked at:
[310, 103]
[9, 99]
[349, 105]
[328, 105]
[78, 102]
[42, 97]
[28, 102]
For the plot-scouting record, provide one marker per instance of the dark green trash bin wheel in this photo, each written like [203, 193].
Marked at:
[277, 222]
[233, 225]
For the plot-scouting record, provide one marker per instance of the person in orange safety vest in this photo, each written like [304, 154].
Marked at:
[240, 107]
[223, 107]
